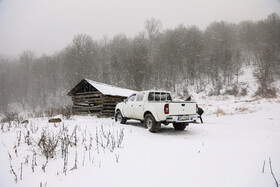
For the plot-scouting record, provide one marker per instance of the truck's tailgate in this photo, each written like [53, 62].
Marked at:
[182, 108]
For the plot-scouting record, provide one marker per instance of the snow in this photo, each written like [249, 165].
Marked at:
[227, 150]
[110, 90]
[232, 148]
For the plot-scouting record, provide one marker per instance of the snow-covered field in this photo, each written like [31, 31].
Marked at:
[231, 148]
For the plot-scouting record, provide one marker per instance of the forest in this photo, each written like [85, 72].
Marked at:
[156, 58]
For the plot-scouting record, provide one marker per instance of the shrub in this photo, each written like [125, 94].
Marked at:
[10, 116]
[219, 112]
[232, 91]
[243, 92]
[267, 92]
[48, 143]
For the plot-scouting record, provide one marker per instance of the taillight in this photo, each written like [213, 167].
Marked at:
[166, 108]
[196, 108]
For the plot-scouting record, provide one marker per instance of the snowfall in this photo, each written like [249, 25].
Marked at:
[237, 145]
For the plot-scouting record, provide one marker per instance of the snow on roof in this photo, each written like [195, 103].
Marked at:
[110, 90]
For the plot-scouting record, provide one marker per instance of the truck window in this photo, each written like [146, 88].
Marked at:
[139, 97]
[159, 96]
[165, 97]
[151, 96]
[131, 98]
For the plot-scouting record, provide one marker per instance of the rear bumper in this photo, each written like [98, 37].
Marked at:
[182, 119]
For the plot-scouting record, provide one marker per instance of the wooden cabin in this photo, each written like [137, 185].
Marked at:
[90, 97]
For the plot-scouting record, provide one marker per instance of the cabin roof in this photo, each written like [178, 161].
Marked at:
[105, 89]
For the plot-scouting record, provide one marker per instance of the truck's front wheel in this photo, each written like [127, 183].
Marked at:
[151, 123]
[180, 126]
[120, 118]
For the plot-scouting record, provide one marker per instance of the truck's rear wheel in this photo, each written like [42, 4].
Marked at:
[151, 123]
[180, 126]
[120, 118]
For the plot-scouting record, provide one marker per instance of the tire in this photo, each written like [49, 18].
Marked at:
[151, 123]
[180, 126]
[120, 118]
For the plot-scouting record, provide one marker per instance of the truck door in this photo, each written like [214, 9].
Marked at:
[128, 107]
[138, 106]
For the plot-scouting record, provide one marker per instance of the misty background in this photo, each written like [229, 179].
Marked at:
[47, 47]
[47, 26]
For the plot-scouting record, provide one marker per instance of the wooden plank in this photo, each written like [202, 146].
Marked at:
[87, 112]
[110, 105]
[82, 113]
[87, 108]
[81, 104]
[86, 99]
[110, 101]
[112, 96]
[87, 93]
[109, 111]
[88, 105]
[108, 108]
[87, 102]
[87, 96]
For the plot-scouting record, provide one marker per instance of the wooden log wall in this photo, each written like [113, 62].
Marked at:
[87, 102]
[109, 104]
[94, 102]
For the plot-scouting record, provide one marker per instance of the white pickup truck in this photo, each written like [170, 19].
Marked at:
[154, 108]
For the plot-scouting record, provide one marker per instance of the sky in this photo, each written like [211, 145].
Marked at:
[47, 26]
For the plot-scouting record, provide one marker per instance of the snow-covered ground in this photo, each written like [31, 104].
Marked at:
[231, 148]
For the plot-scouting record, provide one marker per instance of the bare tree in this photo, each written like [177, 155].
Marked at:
[153, 27]
[155, 58]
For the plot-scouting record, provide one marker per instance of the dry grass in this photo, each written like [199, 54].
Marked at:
[242, 109]
[220, 112]
[203, 97]
[225, 98]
